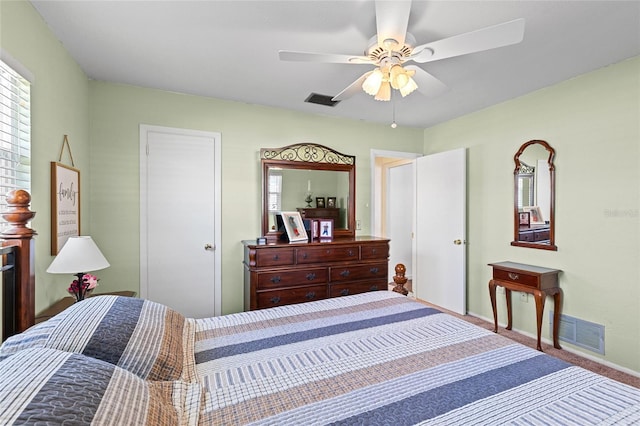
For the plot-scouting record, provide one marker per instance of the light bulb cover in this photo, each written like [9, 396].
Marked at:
[371, 85]
[408, 88]
[384, 94]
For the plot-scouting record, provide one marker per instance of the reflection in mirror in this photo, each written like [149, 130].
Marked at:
[292, 189]
[295, 176]
[534, 196]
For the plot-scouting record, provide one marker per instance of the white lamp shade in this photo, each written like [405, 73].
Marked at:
[79, 254]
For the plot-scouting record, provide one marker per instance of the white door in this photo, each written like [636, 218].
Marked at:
[399, 217]
[180, 219]
[439, 268]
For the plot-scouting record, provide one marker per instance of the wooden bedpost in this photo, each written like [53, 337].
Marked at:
[21, 237]
[400, 279]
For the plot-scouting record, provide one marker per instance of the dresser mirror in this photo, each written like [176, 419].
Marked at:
[534, 196]
[311, 179]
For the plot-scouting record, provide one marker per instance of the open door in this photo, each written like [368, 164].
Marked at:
[439, 266]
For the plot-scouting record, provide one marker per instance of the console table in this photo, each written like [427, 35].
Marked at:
[535, 280]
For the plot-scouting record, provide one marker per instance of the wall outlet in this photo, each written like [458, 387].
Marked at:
[358, 225]
[524, 297]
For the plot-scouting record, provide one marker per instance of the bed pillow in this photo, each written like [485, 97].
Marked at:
[46, 386]
[146, 338]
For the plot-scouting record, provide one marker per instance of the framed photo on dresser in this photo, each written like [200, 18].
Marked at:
[326, 229]
[294, 226]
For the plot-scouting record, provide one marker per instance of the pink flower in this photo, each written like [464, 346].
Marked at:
[90, 281]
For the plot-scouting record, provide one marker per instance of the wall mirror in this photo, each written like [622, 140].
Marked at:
[312, 179]
[534, 196]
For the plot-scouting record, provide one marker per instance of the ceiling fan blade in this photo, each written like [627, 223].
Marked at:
[352, 89]
[392, 18]
[500, 35]
[428, 85]
[288, 55]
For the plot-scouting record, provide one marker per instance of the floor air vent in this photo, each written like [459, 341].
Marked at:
[584, 334]
[325, 100]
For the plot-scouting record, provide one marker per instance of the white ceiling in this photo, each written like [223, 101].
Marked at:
[229, 49]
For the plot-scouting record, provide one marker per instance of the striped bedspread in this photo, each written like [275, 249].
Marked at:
[381, 358]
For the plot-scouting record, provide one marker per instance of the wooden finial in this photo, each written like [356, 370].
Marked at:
[400, 280]
[18, 214]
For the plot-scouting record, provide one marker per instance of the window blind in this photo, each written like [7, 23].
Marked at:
[15, 134]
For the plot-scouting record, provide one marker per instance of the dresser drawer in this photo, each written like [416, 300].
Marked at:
[358, 272]
[541, 235]
[346, 289]
[516, 277]
[274, 257]
[374, 251]
[527, 236]
[268, 299]
[291, 278]
[327, 254]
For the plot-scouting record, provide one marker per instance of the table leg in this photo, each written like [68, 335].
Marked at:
[540, 297]
[492, 295]
[557, 306]
[507, 294]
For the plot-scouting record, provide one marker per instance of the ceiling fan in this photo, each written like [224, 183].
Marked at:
[393, 46]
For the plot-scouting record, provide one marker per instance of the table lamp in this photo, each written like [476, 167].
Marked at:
[78, 256]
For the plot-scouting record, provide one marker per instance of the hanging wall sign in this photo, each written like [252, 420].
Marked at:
[65, 205]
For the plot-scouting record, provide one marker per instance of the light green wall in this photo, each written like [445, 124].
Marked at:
[593, 122]
[59, 106]
[118, 110]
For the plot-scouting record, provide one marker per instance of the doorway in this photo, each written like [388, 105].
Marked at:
[436, 209]
[180, 227]
[393, 196]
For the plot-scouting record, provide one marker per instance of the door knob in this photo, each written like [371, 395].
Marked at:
[457, 242]
[208, 247]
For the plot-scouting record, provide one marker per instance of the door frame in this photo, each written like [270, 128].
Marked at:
[217, 188]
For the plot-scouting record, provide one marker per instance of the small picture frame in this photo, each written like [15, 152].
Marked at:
[331, 202]
[536, 214]
[524, 219]
[315, 229]
[294, 226]
[326, 229]
[320, 202]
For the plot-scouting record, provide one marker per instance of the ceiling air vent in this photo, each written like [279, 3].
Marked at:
[315, 98]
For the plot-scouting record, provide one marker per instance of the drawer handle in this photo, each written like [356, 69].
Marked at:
[276, 257]
[276, 279]
[373, 270]
[275, 300]
[373, 288]
[310, 295]
[311, 276]
[345, 273]
[344, 292]
[513, 276]
[349, 252]
[374, 251]
[304, 255]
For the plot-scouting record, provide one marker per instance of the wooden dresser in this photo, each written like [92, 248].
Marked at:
[283, 273]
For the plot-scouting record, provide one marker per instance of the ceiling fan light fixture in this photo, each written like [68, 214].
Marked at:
[384, 94]
[372, 84]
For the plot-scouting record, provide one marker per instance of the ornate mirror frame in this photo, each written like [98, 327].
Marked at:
[308, 156]
[521, 167]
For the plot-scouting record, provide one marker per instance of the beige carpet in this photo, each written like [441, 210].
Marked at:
[550, 350]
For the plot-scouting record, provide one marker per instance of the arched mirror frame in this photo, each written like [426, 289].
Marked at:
[308, 156]
[551, 245]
